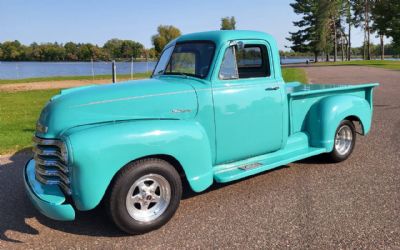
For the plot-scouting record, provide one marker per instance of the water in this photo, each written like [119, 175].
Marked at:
[295, 60]
[19, 70]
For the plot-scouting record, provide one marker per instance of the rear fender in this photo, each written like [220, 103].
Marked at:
[325, 116]
[99, 152]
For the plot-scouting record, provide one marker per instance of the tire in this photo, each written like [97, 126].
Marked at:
[144, 196]
[344, 142]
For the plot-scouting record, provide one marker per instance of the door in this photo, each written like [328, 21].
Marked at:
[247, 103]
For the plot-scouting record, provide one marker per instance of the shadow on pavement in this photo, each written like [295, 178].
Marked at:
[16, 207]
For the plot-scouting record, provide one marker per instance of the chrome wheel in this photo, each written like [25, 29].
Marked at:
[148, 197]
[344, 140]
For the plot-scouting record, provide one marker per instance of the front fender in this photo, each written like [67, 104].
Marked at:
[325, 116]
[99, 152]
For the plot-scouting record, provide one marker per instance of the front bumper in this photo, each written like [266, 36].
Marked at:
[48, 199]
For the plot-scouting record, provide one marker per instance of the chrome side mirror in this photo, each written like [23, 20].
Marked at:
[239, 45]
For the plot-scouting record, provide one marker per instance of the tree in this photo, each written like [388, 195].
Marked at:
[113, 47]
[347, 12]
[117, 48]
[380, 19]
[166, 33]
[12, 51]
[362, 18]
[393, 22]
[131, 49]
[149, 53]
[306, 38]
[71, 51]
[228, 23]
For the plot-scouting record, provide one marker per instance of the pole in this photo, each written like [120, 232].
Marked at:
[114, 72]
[147, 62]
[92, 69]
[132, 68]
[16, 68]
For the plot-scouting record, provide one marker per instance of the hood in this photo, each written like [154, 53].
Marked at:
[162, 98]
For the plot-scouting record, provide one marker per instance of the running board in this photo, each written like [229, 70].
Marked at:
[241, 169]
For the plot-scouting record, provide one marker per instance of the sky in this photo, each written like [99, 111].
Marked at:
[98, 21]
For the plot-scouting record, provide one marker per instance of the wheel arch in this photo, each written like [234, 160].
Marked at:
[325, 116]
[184, 144]
[355, 119]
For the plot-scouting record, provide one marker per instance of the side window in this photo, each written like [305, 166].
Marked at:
[253, 61]
[249, 62]
[229, 68]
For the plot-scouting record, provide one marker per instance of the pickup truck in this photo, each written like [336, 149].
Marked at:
[216, 109]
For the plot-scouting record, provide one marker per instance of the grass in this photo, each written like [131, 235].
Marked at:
[386, 64]
[69, 78]
[19, 112]
[294, 74]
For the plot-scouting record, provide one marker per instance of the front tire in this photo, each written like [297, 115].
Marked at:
[144, 195]
[345, 139]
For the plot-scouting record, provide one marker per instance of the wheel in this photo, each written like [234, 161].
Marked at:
[345, 139]
[144, 195]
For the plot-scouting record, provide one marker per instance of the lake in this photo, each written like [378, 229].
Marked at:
[20, 70]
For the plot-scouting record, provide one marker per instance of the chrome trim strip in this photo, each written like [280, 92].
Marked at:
[47, 152]
[62, 185]
[133, 97]
[51, 163]
[52, 173]
[47, 142]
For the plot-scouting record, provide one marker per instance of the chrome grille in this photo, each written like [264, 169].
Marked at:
[51, 163]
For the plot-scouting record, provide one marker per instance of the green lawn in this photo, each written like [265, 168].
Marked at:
[386, 64]
[18, 114]
[294, 74]
[20, 110]
[66, 78]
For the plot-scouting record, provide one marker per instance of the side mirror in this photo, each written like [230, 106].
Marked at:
[239, 45]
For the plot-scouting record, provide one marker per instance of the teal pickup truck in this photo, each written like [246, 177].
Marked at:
[216, 109]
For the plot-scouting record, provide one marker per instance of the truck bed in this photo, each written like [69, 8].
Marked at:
[301, 97]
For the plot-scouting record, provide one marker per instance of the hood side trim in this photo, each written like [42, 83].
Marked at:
[132, 98]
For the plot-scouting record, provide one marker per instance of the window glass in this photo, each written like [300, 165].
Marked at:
[249, 62]
[228, 67]
[162, 63]
[249, 57]
[184, 62]
[187, 58]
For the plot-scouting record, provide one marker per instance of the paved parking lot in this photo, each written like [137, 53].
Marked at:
[308, 204]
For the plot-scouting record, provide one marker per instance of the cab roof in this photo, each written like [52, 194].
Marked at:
[221, 36]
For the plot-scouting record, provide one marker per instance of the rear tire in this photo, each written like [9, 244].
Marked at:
[345, 139]
[144, 196]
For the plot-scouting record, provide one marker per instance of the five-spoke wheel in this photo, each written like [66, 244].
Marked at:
[144, 195]
[344, 142]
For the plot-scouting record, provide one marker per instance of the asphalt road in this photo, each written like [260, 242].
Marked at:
[308, 204]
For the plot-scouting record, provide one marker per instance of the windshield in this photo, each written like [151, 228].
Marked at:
[188, 58]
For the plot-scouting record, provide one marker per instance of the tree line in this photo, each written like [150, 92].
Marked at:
[114, 49]
[325, 28]
[70, 51]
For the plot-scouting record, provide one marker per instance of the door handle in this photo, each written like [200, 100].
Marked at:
[272, 88]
